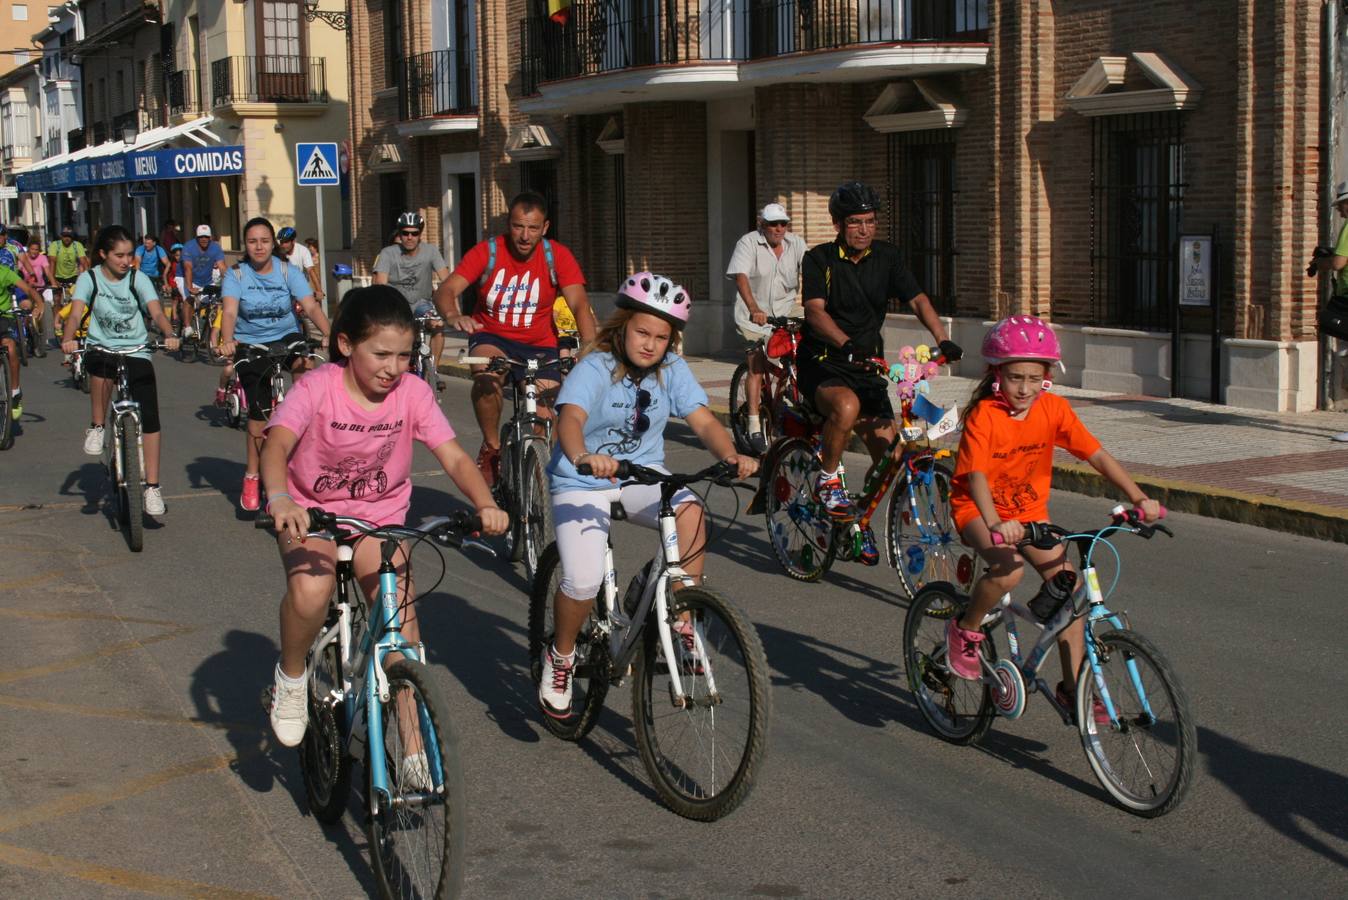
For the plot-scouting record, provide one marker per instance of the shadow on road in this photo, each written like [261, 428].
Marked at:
[225, 476]
[1292, 796]
[90, 481]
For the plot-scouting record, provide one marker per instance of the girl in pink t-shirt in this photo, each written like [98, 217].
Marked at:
[342, 440]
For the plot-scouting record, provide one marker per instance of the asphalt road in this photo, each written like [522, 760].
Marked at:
[134, 757]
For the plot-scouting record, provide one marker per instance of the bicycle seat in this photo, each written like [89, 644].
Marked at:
[616, 511]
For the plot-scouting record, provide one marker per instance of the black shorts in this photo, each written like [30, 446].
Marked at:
[256, 387]
[516, 350]
[140, 379]
[872, 391]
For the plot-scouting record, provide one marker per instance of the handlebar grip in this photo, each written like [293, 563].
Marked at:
[624, 469]
[1122, 513]
[997, 539]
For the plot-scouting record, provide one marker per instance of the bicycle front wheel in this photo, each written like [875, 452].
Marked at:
[590, 679]
[702, 752]
[1144, 756]
[416, 833]
[6, 406]
[507, 491]
[131, 485]
[923, 545]
[800, 532]
[324, 762]
[535, 507]
[958, 710]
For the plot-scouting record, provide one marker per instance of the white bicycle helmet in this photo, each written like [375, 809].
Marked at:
[656, 294]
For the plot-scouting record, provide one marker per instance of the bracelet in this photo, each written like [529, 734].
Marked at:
[272, 498]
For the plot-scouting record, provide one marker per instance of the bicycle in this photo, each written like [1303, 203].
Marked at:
[1130, 710]
[780, 391]
[423, 366]
[6, 400]
[522, 486]
[920, 538]
[28, 338]
[123, 448]
[276, 355]
[722, 676]
[391, 713]
[203, 314]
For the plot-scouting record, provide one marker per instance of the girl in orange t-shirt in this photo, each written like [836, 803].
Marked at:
[1002, 481]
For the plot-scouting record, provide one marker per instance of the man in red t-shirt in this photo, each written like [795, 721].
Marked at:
[519, 276]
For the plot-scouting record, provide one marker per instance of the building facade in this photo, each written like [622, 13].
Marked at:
[1146, 175]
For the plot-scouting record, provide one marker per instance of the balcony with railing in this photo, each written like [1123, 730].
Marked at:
[438, 83]
[724, 43]
[268, 79]
[184, 98]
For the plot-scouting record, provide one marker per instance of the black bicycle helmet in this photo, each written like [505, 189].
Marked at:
[411, 220]
[852, 198]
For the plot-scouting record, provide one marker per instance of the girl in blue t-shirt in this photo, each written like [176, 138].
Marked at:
[614, 406]
[256, 300]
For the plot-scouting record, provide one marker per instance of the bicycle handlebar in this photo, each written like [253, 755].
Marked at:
[720, 473]
[456, 531]
[279, 351]
[152, 345]
[1046, 536]
[785, 322]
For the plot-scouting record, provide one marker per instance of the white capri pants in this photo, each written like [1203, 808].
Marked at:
[581, 520]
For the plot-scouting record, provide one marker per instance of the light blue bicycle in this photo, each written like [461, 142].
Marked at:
[1131, 712]
[391, 711]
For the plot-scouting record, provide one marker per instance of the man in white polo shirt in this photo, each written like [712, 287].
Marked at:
[765, 267]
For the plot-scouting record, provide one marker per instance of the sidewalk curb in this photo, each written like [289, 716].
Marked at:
[1306, 519]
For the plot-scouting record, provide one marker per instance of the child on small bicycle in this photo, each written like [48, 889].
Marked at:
[1002, 477]
[361, 415]
[117, 299]
[618, 400]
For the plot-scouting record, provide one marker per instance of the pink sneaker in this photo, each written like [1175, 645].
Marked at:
[1098, 711]
[252, 489]
[962, 651]
[220, 397]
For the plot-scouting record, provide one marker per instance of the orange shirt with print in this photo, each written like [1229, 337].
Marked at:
[1016, 455]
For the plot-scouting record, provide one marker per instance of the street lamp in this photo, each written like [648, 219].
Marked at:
[128, 134]
[336, 19]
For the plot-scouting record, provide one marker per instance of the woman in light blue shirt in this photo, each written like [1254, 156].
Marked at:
[258, 300]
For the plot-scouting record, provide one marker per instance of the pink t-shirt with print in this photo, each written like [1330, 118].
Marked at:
[352, 461]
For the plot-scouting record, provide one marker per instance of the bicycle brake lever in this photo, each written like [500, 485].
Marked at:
[476, 544]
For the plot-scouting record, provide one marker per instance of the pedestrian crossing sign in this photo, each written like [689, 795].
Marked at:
[316, 164]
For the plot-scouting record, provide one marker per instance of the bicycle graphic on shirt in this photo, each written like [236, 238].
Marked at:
[356, 475]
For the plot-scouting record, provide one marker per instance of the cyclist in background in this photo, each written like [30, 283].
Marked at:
[151, 261]
[409, 265]
[519, 275]
[202, 260]
[113, 299]
[1002, 478]
[847, 286]
[257, 302]
[311, 437]
[68, 259]
[298, 256]
[614, 406]
[10, 282]
[36, 268]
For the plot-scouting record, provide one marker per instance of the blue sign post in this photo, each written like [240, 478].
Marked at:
[316, 166]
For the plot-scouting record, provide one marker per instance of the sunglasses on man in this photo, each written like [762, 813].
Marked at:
[409, 234]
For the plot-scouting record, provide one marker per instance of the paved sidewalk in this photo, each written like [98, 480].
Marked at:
[1275, 470]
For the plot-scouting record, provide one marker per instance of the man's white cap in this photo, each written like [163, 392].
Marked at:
[1341, 192]
[774, 212]
[203, 231]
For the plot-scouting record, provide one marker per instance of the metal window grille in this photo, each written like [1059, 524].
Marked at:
[1137, 211]
[922, 197]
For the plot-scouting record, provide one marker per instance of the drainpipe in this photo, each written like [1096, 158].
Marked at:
[1329, 123]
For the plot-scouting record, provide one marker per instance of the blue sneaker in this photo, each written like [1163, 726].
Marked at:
[832, 495]
[870, 554]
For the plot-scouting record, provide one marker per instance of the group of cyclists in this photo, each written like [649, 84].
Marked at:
[359, 413]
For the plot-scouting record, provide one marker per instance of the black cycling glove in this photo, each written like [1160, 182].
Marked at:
[951, 351]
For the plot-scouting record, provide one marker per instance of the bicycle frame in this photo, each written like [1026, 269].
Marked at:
[120, 408]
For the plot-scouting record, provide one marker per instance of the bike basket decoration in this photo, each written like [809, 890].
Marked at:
[1334, 318]
[779, 345]
[911, 376]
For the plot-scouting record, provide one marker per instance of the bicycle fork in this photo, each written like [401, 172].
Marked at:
[669, 539]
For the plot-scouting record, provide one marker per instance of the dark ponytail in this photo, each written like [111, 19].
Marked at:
[366, 308]
[981, 392]
[109, 236]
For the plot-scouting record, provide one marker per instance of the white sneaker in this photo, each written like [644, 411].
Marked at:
[154, 501]
[1341, 438]
[415, 772]
[554, 690]
[188, 331]
[93, 441]
[289, 710]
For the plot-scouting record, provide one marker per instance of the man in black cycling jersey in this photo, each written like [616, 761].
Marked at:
[847, 286]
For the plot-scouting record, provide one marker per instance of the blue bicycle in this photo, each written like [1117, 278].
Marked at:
[392, 711]
[1130, 709]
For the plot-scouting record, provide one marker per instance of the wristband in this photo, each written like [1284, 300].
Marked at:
[272, 498]
[575, 463]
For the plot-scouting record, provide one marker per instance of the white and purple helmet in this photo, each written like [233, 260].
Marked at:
[656, 294]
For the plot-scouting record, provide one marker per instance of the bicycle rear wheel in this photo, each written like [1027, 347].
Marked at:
[21, 345]
[958, 710]
[535, 506]
[417, 834]
[923, 544]
[1145, 757]
[589, 683]
[131, 489]
[800, 532]
[6, 405]
[703, 756]
[324, 762]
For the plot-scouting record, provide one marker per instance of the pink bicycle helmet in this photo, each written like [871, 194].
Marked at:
[656, 294]
[1021, 338]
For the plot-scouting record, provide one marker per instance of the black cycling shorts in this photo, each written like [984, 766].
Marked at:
[872, 391]
[256, 387]
[517, 350]
[140, 379]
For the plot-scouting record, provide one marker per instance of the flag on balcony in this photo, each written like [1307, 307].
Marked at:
[559, 11]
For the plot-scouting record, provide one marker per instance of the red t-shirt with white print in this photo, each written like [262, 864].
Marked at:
[516, 302]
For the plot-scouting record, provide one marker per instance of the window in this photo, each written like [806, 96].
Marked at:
[541, 176]
[392, 203]
[20, 57]
[20, 12]
[393, 43]
[922, 171]
[1137, 210]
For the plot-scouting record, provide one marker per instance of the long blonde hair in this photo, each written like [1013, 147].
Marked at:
[610, 340]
